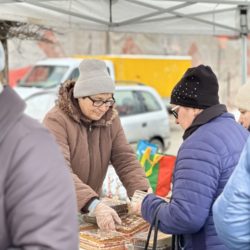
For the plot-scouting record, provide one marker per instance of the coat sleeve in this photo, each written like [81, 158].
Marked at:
[56, 125]
[40, 198]
[194, 189]
[124, 160]
[232, 208]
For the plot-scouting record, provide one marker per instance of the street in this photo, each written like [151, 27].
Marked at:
[176, 137]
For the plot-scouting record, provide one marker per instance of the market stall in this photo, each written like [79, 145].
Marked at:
[131, 234]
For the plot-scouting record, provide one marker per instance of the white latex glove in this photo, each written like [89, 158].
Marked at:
[106, 217]
[136, 201]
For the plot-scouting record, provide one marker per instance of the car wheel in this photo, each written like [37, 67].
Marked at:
[159, 144]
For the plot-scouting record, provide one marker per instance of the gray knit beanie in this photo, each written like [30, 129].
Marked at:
[94, 79]
[242, 100]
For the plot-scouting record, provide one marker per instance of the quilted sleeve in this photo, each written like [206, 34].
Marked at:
[232, 208]
[196, 176]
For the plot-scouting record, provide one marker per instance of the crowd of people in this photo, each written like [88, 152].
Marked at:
[51, 172]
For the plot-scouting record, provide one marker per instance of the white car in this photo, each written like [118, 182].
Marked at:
[143, 115]
[142, 111]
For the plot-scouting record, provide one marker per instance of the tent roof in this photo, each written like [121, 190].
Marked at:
[211, 17]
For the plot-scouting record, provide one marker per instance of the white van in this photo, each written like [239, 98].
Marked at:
[50, 73]
[47, 75]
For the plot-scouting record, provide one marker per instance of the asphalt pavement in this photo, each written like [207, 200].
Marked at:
[176, 137]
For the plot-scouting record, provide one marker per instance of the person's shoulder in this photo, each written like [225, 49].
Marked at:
[56, 115]
[55, 112]
[28, 138]
[217, 127]
[32, 136]
[26, 125]
[222, 134]
[28, 131]
[226, 128]
[203, 139]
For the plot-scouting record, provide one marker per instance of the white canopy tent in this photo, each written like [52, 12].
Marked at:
[204, 17]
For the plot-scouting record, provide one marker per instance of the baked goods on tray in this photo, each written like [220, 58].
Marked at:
[132, 224]
[101, 240]
[87, 226]
[121, 207]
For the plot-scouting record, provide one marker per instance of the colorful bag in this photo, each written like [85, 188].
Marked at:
[142, 145]
[159, 170]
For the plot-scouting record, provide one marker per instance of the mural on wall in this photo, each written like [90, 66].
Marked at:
[53, 49]
[221, 53]
[195, 54]
[130, 46]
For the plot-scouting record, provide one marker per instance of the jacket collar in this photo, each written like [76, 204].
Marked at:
[204, 117]
[12, 108]
[67, 103]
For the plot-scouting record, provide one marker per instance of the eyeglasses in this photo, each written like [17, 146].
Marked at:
[99, 103]
[174, 112]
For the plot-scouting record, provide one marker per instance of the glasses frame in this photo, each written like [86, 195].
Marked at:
[107, 103]
[174, 112]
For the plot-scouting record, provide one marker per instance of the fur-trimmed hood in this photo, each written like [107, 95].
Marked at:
[68, 104]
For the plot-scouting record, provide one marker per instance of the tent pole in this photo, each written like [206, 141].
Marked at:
[244, 59]
[244, 32]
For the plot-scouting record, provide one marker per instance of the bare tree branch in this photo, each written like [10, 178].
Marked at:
[23, 31]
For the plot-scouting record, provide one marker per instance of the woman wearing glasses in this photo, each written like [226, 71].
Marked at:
[212, 144]
[89, 132]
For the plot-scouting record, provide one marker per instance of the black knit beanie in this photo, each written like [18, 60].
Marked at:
[198, 88]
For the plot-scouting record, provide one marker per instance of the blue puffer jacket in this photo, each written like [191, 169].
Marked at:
[232, 208]
[204, 163]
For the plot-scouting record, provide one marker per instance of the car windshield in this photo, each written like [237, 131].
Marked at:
[44, 76]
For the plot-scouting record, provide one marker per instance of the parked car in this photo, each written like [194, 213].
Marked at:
[142, 111]
[143, 114]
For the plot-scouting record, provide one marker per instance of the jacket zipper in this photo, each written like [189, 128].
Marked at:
[89, 146]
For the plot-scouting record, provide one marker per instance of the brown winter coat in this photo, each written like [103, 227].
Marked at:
[89, 147]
